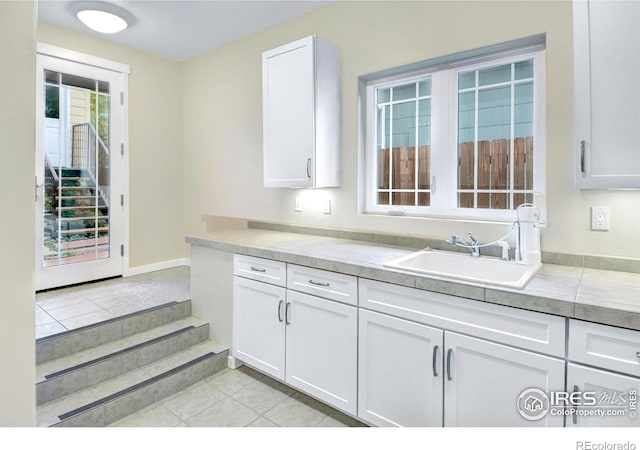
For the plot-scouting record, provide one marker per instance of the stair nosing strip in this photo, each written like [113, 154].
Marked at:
[135, 387]
[119, 352]
[105, 322]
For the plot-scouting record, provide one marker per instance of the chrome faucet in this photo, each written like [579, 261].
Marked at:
[473, 245]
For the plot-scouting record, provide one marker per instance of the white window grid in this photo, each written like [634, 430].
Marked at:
[381, 133]
[444, 124]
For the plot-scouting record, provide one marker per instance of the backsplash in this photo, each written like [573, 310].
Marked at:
[414, 242]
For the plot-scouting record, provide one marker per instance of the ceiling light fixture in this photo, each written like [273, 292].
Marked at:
[102, 17]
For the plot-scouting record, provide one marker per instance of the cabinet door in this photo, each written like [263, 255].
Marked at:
[616, 398]
[606, 97]
[258, 325]
[288, 114]
[322, 349]
[400, 372]
[484, 380]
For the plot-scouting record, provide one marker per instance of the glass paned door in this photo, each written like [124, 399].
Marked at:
[78, 222]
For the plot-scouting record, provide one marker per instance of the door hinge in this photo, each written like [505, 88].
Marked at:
[122, 149]
[122, 98]
[122, 250]
[121, 199]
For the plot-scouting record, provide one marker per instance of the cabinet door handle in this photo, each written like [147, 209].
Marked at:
[280, 303]
[435, 361]
[638, 354]
[583, 145]
[318, 283]
[258, 269]
[308, 167]
[575, 407]
[286, 313]
[449, 352]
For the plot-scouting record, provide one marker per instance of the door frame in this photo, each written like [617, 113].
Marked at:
[124, 70]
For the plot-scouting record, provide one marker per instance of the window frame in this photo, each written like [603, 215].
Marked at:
[444, 134]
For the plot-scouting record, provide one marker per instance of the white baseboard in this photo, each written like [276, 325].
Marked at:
[139, 270]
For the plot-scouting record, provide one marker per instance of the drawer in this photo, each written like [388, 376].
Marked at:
[605, 346]
[529, 330]
[331, 285]
[265, 270]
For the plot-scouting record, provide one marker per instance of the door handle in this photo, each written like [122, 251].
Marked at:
[583, 145]
[308, 167]
[449, 352]
[575, 407]
[435, 361]
[37, 186]
[280, 310]
[286, 313]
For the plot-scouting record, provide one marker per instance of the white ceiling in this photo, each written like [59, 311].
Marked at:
[183, 29]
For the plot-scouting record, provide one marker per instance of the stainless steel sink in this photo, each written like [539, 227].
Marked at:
[459, 266]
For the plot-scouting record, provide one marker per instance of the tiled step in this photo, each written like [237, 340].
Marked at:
[69, 342]
[118, 397]
[69, 374]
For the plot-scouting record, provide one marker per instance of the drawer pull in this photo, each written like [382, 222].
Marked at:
[449, 352]
[258, 269]
[280, 303]
[318, 283]
[638, 354]
[435, 361]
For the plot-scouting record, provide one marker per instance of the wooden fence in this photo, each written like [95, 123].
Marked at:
[493, 173]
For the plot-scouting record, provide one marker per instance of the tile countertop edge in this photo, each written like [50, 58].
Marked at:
[507, 297]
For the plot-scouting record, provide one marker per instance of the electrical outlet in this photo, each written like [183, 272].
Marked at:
[599, 218]
[297, 205]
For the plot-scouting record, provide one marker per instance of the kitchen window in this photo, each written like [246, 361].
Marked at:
[464, 138]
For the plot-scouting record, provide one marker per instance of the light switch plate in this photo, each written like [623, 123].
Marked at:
[326, 206]
[297, 205]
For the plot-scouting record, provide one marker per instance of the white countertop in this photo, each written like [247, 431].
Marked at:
[602, 296]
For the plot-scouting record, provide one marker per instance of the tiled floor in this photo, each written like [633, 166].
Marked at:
[69, 308]
[231, 398]
[238, 398]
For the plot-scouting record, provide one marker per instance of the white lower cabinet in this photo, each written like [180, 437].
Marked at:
[309, 342]
[614, 397]
[400, 372]
[259, 326]
[321, 349]
[415, 375]
[483, 381]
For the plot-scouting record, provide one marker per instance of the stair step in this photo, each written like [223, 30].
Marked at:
[63, 376]
[78, 197]
[75, 208]
[99, 217]
[118, 397]
[83, 230]
[73, 341]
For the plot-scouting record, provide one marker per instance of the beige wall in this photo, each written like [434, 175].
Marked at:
[155, 137]
[17, 228]
[223, 113]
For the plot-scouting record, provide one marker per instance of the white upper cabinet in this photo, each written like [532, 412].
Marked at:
[606, 94]
[301, 114]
